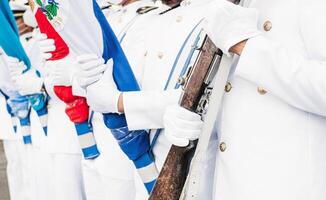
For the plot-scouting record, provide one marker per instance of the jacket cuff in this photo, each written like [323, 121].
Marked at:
[145, 109]
[251, 63]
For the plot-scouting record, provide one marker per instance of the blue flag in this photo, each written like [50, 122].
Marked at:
[9, 36]
[135, 144]
[10, 43]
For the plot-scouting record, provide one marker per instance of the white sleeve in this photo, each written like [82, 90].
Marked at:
[76, 89]
[292, 77]
[145, 109]
[6, 83]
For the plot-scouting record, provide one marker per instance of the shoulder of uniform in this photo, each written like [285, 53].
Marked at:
[145, 9]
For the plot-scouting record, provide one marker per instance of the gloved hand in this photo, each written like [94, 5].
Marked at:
[26, 83]
[45, 45]
[228, 24]
[63, 71]
[103, 95]
[92, 68]
[38, 50]
[181, 125]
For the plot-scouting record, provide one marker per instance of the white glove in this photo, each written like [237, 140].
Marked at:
[103, 95]
[26, 83]
[45, 45]
[229, 24]
[92, 68]
[38, 49]
[181, 125]
[63, 71]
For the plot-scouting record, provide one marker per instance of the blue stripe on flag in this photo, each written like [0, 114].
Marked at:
[43, 111]
[45, 129]
[25, 121]
[91, 152]
[149, 186]
[83, 128]
[143, 161]
[27, 139]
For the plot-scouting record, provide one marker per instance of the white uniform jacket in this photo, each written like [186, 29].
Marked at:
[272, 127]
[61, 131]
[120, 20]
[169, 39]
[6, 124]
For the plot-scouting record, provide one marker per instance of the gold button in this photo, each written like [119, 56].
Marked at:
[179, 19]
[261, 90]
[228, 87]
[268, 25]
[222, 147]
[185, 3]
[160, 55]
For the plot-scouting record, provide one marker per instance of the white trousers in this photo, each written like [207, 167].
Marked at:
[100, 186]
[66, 179]
[42, 166]
[14, 155]
[111, 175]
[29, 170]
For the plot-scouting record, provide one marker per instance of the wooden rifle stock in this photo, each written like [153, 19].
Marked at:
[173, 175]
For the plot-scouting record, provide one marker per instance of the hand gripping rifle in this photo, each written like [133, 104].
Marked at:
[195, 96]
[180, 176]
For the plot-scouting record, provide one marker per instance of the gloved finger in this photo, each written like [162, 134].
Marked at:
[56, 81]
[182, 113]
[109, 62]
[46, 42]
[109, 69]
[189, 133]
[95, 71]
[86, 58]
[85, 82]
[180, 142]
[92, 64]
[15, 69]
[182, 123]
[40, 36]
[12, 59]
[15, 74]
[46, 56]
[185, 114]
[184, 126]
[46, 49]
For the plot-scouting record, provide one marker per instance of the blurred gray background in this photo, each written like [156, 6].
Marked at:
[4, 194]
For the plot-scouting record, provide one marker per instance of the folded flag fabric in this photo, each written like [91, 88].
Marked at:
[19, 107]
[76, 107]
[10, 43]
[135, 144]
[81, 28]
